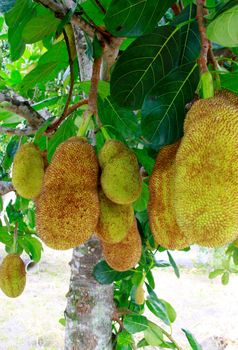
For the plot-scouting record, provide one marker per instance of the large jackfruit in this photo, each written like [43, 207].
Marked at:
[160, 207]
[28, 171]
[110, 149]
[126, 254]
[115, 220]
[12, 276]
[121, 180]
[67, 210]
[206, 181]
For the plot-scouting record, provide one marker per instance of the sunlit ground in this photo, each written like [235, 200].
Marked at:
[205, 307]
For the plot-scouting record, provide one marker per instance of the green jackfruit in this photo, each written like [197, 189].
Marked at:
[140, 295]
[110, 149]
[115, 220]
[206, 182]
[28, 171]
[126, 254]
[12, 276]
[121, 180]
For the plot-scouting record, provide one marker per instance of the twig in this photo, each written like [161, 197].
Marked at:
[100, 6]
[212, 58]
[169, 336]
[202, 61]
[176, 9]
[19, 132]
[5, 187]
[21, 108]
[92, 98]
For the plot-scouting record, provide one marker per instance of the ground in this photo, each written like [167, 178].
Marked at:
[205, 307]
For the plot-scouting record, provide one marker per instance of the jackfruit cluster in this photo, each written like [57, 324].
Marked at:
[67, 210]
[206, 182]
[12, 276]
[28, 171]
[161, 213]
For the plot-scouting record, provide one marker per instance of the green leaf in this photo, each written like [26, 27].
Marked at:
[39, 27]
[5, 237]
[225, 278]
[62, 321]
[124, 341]
[223, 30]
[6, 5]
[235, 256]
[117, 118]
[66, 130]
[150, 279]
[229, 81]
[192, 341]
[103, 88]
[144, 159]
[215, 273]
[93, 11]
[173, 264]
[106, 275]
[170, 310]
[135, 17]
[141, 203]
[148, 59]
[156, 306]
[32, 246]
[162, 263]
[1, 204]
[135, 323]
[153, 334]
[163, 110]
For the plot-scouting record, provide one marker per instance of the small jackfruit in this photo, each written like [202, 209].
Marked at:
[206, 182]
[126, 254]
[140, 295]
[121, 180]
[115, 220]
[28, 171]
[75, 164]
[67, 210]
[110, 149]
[12, 276]
[161, 213]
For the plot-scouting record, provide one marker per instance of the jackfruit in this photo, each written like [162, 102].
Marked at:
[206, 182]
[74, 164]
[115, 220]
[140, 295]
[120, 179]
[160, 207]
[236, 243]
[28, 171]
[67, 210]
[126, 254]
[12, 276]
[110, 149]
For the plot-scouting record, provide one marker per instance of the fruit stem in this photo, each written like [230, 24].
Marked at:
[105, 134]
[14, 247]
[85, 123]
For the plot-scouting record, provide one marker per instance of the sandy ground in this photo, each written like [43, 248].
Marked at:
[30, 322]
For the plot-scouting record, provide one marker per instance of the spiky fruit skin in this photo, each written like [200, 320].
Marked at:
[115, 220]
[126, 254]
[206, 182]
[12, 276]
[110, 149]
[121, 180]
[67, 210]
[140, 295]
[28, 171]
[161, 213]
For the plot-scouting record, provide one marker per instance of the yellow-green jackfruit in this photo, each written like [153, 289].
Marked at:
[160, 207]
[115, 220]
[121, 180]
[28, 171]
[12, 276]
[126, 254]
[110, 149]
[67, 210]
[206, 181]
[140, 295]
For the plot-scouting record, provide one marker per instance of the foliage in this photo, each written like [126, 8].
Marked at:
[144, 105]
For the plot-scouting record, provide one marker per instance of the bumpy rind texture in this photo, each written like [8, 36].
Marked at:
[121, 180]
[67, 210]
[28, 171]
[110, 149]
[206, 181]
[161, 213]
[12, 276]
[115, 220]
[126, 254]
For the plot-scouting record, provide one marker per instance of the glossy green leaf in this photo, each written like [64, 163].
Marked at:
[192, 341]
[141, 203]
[32, 246]
[135, 17]
[229, 81]
[156, 306]
[106, 275]
[135, 323]
[235, 256]
[223, 30]
[6, 5]
[148, 59]
[215, 273]
[170, 310]
[144, 159]
[173, 264]
[124, 341]
[153, 334]
[225, 278]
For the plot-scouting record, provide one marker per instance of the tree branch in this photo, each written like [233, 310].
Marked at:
[100, 6]
[21, 108]
[5, 187]
[19, 132]
[202, 61]
[92, 99]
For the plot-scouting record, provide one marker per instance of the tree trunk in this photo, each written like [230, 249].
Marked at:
[89, 304]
